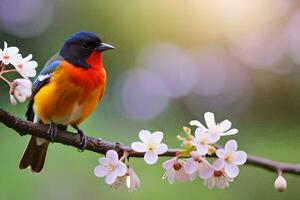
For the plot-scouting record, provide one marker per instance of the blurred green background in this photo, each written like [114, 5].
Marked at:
[174, 61]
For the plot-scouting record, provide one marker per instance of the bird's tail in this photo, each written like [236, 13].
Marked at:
[34, 155]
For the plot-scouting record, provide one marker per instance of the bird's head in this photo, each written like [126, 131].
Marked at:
[81, 47]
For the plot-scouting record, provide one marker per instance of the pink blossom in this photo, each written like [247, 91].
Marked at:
[120, 182]
[133, 182]
[174, 170]
[20, 90]
[129, 180]
[110, 167]
[218, 179]
[198, 166]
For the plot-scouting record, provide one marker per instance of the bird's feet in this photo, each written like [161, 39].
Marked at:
[82, 139]
[52, 131]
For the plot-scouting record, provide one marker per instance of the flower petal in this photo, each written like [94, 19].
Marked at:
[230, 132]
[168, 164]
[231, 170]
[145, 136]
[193, 176]
[13, 100]
[121, 169]
[225, 125]
[103, 161]
[181, 176]
[111, 178]
[219, 164]
[157, 137]
[199, 133]
[134, 181]
[202, 149]
[12, 51]
[138, 146]
[112, 156]
[230, 146]
[190, 166]
[205, 170]
[20, 96]
[221, 183]
[161, 149]
[209, 119]
[24, 82]
[239, 157]
[23, 86]
[213, 138]
[172, 176]
[210, 183]
[27, 72]
[100, 171]
[197, 123]
[31, 64]
[27, 58]
[220, 153]
[150, 157]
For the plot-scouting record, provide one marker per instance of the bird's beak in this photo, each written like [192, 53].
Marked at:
[104, 47]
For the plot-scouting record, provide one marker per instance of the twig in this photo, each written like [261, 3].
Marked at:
[9, 71]
[24, 127]
[5, 80]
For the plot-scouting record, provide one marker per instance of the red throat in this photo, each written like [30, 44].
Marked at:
[90, 78]
[95, 60]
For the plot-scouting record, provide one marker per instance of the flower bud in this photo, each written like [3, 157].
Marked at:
[13, 100]
[280, 184]
[187, 130]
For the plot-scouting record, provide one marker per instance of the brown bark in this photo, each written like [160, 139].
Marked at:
[24, 127]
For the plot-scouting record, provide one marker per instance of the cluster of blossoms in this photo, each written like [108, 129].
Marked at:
[202, 145]
[20, 88]
[189, 163]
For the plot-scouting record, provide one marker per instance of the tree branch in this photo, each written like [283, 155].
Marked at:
[97, 145]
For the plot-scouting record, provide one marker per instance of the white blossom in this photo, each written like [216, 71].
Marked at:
[25, 66]
[8, 54]
[202, 141]
[215, 130]
[230, 158]
[151, 145]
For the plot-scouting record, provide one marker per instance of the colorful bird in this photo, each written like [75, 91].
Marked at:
[66, 92]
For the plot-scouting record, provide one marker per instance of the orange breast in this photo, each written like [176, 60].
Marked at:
[71, 95]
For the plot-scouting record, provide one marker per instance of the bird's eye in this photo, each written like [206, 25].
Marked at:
[85, 45]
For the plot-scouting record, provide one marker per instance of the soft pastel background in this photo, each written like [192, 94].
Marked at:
[174, 60]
